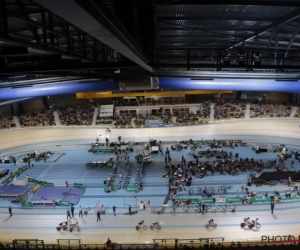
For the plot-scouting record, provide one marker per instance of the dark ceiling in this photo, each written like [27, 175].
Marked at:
[173, 37]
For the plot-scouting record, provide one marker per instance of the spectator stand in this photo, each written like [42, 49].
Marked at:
[189, 119]
[258, 110]
[76, 115]
[7, 122]
[204, 111]
[139, 121]
[228, 110]
[105, 114]
[124, 121]
[37, 119]
[297, 112]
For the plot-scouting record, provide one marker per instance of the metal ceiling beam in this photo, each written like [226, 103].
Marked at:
[31, 58]
[286, 18]
[46, 37]
[270, 39]
[217, 18]
[200, 29]
[283, 3]
[214, 66]
[97, 21]
[33, 28]
[3, 19]
[13, 50]
[219, 28]
[292, 39]
[64, 66]
[190, 38]
[223, 48]
[228, 74]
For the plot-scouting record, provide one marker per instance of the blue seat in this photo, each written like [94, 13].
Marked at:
[285, 182]
[273, 182]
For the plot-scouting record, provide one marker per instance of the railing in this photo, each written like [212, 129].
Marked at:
[292, 242]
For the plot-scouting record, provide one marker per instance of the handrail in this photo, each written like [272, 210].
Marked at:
[169, 243]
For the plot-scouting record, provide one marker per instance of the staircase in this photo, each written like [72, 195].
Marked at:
[294, 111]
[56, 118]
[16, 120]
[95, 116]
[247, 112]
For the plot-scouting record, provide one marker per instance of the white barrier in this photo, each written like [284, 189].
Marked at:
[20, 182]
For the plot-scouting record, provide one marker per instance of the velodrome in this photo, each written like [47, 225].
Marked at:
[40, 223]
[149, 124]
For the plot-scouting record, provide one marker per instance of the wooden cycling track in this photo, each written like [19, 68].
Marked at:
[40, 224]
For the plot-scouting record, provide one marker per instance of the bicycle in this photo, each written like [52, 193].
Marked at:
[185, 209]
[141, 226]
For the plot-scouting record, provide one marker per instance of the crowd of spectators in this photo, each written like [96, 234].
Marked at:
[104, 120]
[225, 110]
[167, 119]
[76, 115]
[204, 111]
[139, 120]
[37, 119]
[123, 120]
[8, 122]
[183, 118]
[270, 110]
[228, 166]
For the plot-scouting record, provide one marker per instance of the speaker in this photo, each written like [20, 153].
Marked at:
[249, 184]
[104, 182]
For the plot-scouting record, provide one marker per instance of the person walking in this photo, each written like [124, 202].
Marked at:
[114, 210]
[10, 211]
[203, 208]
[72, 210]
[272, 203]
[68, 214]
[98, 215]
[129, 210]
[80, 212]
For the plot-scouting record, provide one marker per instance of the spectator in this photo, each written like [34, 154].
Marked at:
[37, 119]
[10, 211]
[76, 115]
